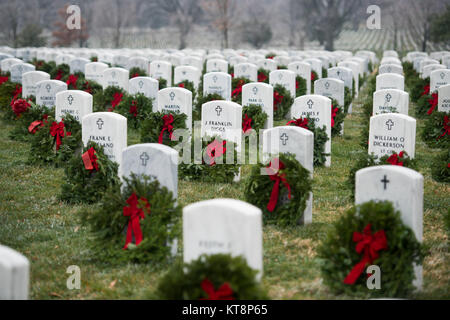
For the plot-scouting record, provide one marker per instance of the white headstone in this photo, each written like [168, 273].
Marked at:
[78, 65]
[261, 94]
[216, 65]
[30, 80]
[46, 91]
[116, 77]
[438, 78]
[390, 100]
[331, 88]
[94, 71]
[188, 73]
[286, 78]
[77, 103]
[178, 100]
[147, 86]
[18, 69]
[390, 68]
[246, 70]
[217, 82]
[15, 274]
[161, 70]
[303, 70]
[6, 64]
[267, 64]
[390, 81]
[444, 98]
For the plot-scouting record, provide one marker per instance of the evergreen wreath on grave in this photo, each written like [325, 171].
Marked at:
[41, 65]
[9, 91]
[440, 166]
[211, 277]
[314, 77]
[30, 121]
[300, 86]
[17, 108]
[282, 102]
[347, 99]
[236, 85]
[337, 118]
[436, 131]
[74, 81]
[162, 83]
[270, 55]
[188, 85]
[324, 73]
[197, 112]
[371, 86]
[320, 138]
[365, 160]
[419, 87]
[135, 222]
[59, 72]
[281, 67]
[135, 108]
[108, 99]
[137, 72]
[213, 166]
[89, 174]
[263, 75]
[55, 142]
[426, 105]
[91, 87]
[158, 127]
[253, 117]
[394, 246]
[267, 191]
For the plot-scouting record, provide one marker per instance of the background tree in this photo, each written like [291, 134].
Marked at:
[440, 27]
[64, 36]
[30, 36]
[256, 32]
[224, 16]
[11, 18]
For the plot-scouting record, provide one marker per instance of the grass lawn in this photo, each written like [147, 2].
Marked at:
[49, 233]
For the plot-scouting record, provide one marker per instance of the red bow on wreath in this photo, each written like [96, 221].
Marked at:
[278, 177]
[433, 103]
[72, 81]
[133, 108]
[277, 99]
[446, 127]
[334, 112]
[87, 87]
[19, 106]
[32, 128]
[238, 89]
[300, 122]
[3, 79]
[16, 94]
[394, 159]
[214, 151]
[135, 75]
[369, 244]
[261, 77]
[168, 120]
[426, 90]
[90, 159]
[117, 98]
[313, 77]
[181, 85]
[135, 213]
[59, 75]
[223, 293]
[247, 123]
[57, 130]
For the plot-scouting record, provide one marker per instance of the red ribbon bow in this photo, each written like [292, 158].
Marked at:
[277, 99]
[334, 112]
[426, 90]
[133, 108]
[181, 85]
[87, 87]
[261, 77]
[247, 123]
[59, 75]
[369, 244]
[34, 126]
[90, 159]
[433, 103]
[16, 94]
[300, 122]
[223, 293]
[278, 177]
[19, 106]
[394, 159]
[446, 127]
[238, 89]
[135, 75]
[168, 120]
[57, 130]
[117, 98]
[135, 213]
[313, 77]
[213, 151]
[72, 81]
[3, 79]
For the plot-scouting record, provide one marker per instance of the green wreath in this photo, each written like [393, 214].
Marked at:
[300, 86]
[263, 75]
[152, 126]
[137, 72]
[347, 99]
[90, 86]
[218, 172]
[135, 108]
[338, 119]
[324, 73]
[21, 132]
[162, 83]
[440, 166]
[417, 86]
[7, 90]
[108, 225]
[197, 112]
[87, 186]
[281, 67]
[364, 160]
[314, 77]
[60, 71]
[41, 65]
[320, 138]
[338, 256]
[236, 85]
[371, 86]
[184, 280]
[258, 189]
[103, 99]
[282, 102]
[257, 116]
[422, 106]
[434, 132]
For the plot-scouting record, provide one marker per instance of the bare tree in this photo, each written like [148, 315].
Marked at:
[10, 20]
[223, 13]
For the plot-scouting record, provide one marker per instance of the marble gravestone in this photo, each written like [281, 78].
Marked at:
[346, 75]
[178, 100]
[246, 70]
[223, 226]
[107, 129]
[285, 78]
[261, 94]
[94, 71]
[355, 73]
[139, 62]
[444, 98]
[390, 68]
[15, 274]
[216, 65]
[303, 70]
[18, 69]
[401, 186]
[438, 78]
[192, 61]
[392, 132]
[217, 82]
[161, 70]
[78, 65]
[147, 86]
[390, 81]
[6, 64]
[331, 88]
[297, 141]
[267, 64]
[224, 119]
[152, 159]
[390, 100]
[318, 108]
[426, 71]
[188, 73]
[46, 91]
[30, 80]
[77, 103]
[316, 66]
[116, 77]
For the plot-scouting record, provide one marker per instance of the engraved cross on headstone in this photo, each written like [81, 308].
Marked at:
[388, 97]
[48, 87]
[218, 110]
[100, 123]
[385, 181]
[284, 138]
[255, 90]
[389, 124]
[310, 103]
[144, 158]
[172, 95]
